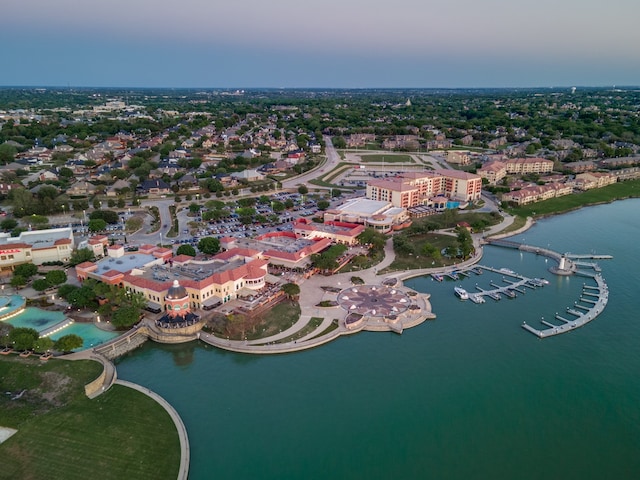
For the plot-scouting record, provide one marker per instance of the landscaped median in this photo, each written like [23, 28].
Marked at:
[62, 434]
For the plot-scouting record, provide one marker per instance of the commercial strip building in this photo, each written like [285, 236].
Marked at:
[37, 247]
[380, 215]
[280, 249]
[240, 270]
[151, 271]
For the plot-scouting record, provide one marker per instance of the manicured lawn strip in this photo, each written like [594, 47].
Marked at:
[518, 222]
[276, 320]
[337, 171]
[617, 191]
[330, 328]
[390, 158]
[314, 323]
[121, 434]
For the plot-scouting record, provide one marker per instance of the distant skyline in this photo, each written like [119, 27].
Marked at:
[331, 44]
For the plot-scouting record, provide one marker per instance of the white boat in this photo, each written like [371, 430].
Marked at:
[461, 292]
[543, 281]
[475, 298]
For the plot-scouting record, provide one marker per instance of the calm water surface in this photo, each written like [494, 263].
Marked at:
[468, 395]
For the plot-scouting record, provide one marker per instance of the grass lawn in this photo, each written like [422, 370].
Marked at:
[241, 327]
[64, 435]
[313, 324]
[518, 222]
[387, 158]
[417, 260]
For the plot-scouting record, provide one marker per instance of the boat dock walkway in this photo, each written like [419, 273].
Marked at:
[581, 318]
[514, 283]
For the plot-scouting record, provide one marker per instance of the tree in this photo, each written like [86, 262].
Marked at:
[194, 207]
[81, 255]
[303, 190]
[291, 290]
[209, 245]
[26, 270]
[125, 316]
[8, 224]
[7, 153]
[56, 277]
[323, 205]
[23, 338]
[65, 172]
[277, 206]
[43, 344]
[79, 297]
[40, 285]
[97, 225]
[431, 251]
[186, 249]
[371, 237]
[109, 216]
[339, 142]
[68, 343]
[18, 281]
[465, 242]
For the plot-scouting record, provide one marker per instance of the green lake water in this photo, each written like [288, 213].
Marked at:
[468, 395]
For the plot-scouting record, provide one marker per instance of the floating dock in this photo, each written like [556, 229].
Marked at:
[581, 318]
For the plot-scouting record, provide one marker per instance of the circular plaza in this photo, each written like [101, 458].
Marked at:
[374, 300]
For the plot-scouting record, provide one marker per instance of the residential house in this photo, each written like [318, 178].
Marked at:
[587, 181]
[154, 187]
[113, 190]
[81, 188]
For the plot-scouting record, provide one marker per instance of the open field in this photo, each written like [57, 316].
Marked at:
[64, 435]
[390, 158]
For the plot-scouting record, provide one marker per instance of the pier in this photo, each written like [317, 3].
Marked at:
[568, 263]
[581, 318]
[514, 283]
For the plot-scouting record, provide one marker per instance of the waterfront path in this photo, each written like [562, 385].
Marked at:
[109, 374]
[183, 472]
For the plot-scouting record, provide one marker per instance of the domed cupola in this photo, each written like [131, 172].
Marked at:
[176, 291]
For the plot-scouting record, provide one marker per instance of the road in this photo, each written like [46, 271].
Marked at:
[333, 159]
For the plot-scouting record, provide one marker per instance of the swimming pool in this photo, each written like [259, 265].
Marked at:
[42, 320]
[91, 335]
[36, 318]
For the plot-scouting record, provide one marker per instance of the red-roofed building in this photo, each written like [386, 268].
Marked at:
[37, 247]
[150, 272]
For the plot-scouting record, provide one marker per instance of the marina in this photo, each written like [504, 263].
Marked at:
[590, 304]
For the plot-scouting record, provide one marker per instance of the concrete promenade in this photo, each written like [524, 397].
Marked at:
[183, 472]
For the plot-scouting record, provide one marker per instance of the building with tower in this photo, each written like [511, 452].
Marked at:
[178, 308]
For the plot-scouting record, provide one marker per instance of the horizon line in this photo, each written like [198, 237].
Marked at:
[235, 88]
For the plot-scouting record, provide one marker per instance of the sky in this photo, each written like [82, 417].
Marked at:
[327, 44]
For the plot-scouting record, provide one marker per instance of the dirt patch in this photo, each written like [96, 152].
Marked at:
[54, 388]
